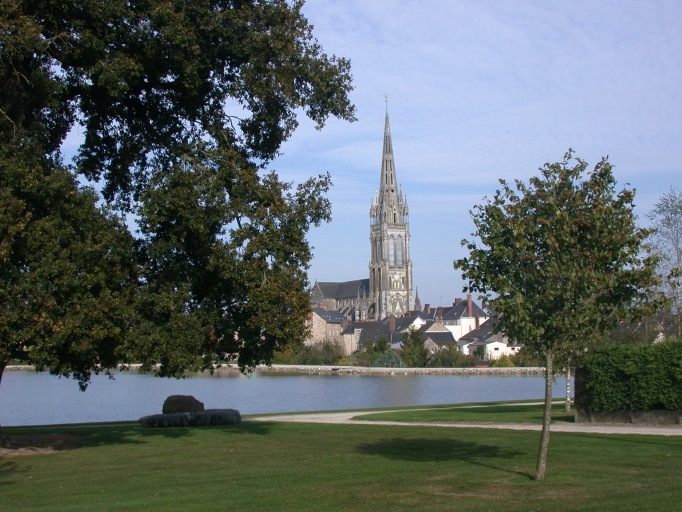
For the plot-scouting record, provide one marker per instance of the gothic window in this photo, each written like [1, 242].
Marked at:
[395, 218]
[399, 251]
[391, 251]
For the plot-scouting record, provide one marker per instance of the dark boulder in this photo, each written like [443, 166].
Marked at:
[191, 419]
[182, 403]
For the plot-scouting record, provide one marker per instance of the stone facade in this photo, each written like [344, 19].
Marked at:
[390, 267]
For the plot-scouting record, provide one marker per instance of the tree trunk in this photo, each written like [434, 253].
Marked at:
[568, 386]
[544, 439]
[4, 440]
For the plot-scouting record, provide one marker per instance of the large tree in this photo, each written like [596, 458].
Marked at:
[561, 260]
[182, 105]
[67, 272]
[666, 243]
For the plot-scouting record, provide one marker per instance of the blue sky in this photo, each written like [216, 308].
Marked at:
[482, 90]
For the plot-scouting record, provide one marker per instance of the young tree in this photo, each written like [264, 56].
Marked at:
[414, 354]
[183, 105]
[666, 243]
[561, 260]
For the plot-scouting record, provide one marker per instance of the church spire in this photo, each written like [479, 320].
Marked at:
[389, 181]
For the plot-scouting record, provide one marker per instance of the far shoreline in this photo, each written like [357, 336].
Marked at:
[357, 370]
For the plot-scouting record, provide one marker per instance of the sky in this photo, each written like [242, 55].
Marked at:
[481, 91]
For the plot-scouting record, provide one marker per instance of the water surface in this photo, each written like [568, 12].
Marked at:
[29, 398]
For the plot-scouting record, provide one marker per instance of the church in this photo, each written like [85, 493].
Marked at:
[388, 289]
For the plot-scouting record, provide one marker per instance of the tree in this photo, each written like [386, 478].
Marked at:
[449, 356]
[183, 105]
[414, 354]
[389, 359]
[561, 260]
[370, 350]
[67, 272]
[666, 243]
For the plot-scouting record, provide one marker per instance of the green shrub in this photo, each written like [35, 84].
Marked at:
[344, 362]
[389, 359]
[449, 356]
[634, 377]
[527, 357]
[503, 362]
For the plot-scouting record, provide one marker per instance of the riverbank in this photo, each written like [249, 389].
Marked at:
[360, 370]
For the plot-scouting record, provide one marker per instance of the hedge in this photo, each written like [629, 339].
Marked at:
[633, 377]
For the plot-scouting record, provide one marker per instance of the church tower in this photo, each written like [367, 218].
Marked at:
[390, 270]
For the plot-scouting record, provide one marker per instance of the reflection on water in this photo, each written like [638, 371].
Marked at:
[28, 398]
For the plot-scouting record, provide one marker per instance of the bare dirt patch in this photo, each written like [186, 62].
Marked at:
[38, 444]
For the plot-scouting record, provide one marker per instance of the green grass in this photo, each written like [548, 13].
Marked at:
[288, 466]
[501, 414]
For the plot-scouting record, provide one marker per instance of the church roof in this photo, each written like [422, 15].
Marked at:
[350, 289]
[343, 290]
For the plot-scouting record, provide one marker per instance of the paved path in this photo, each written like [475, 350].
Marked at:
[594, 428]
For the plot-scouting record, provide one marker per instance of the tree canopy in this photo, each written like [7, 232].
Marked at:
[666, 243]
[561, 259]
[182, 106]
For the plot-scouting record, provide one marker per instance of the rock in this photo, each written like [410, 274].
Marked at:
[191, 419]
[182, 403]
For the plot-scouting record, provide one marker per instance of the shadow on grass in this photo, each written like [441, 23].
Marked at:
[440, 450]
[259, 428]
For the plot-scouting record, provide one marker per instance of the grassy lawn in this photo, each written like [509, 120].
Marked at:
[501, 414]
[287, 466]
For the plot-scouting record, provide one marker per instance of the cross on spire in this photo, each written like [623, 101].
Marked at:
[386, 99]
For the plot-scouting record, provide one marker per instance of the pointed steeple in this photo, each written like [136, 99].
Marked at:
[389, 181]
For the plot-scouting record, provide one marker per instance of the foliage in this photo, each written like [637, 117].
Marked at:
[66, 267]
[635, 377]
[370, 351]
[527, 357]
[288, 355]
[666, 243]
[414, 354]
[503, 362]
[326, 353]
[389, 359]
[344, 362]
[449, 356]
[560, 260]
[182, 106]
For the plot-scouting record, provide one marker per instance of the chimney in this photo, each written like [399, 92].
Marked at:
[344, 323]
[323, 306]
[477, 321]
[310, 316]
[391, 324]
[470, 306]
[427, 309]
[457, 301]
[439, 312]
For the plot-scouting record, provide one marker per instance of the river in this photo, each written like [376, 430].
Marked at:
[30, 398]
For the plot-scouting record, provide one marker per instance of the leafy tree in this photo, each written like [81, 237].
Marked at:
[371, 350]
[666, 243]
[183, 105]
[527, 357]
[449, 356]
[389, 359]
[503, 362]
[562, 257]
[414, 354]
[67, 272]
